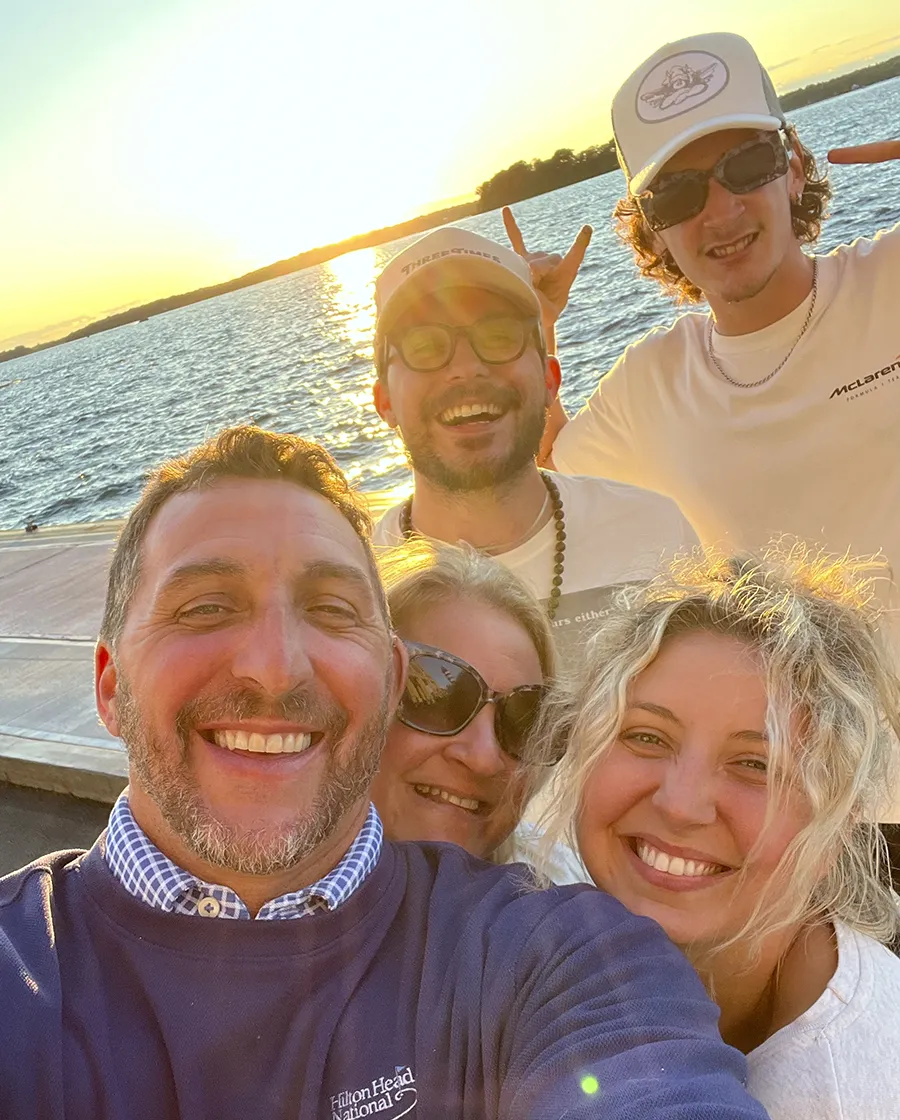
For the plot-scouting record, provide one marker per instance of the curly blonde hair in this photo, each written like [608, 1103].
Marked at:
[809, 619]
[654, 259]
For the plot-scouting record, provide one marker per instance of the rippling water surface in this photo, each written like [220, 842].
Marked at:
[81, 423]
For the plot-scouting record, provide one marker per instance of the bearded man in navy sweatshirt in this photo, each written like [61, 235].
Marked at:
[241, 942]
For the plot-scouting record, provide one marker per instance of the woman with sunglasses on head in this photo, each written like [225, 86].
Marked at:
[729, 740]
[480, 657]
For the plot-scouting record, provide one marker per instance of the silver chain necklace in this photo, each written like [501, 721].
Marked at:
[769, 376]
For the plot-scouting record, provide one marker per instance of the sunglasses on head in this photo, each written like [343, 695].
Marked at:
[444, 694]
[496, 340]
[680, 195]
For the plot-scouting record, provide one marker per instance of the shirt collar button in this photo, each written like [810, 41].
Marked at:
[209, 907]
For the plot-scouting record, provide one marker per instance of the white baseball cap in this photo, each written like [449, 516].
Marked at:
[685, 90]
[451, 258]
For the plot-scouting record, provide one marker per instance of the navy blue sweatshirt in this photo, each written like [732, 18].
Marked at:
[440, 989]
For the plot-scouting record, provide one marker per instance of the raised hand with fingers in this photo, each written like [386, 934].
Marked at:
[551, 274]
[880, 152]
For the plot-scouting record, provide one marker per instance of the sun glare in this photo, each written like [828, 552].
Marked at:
[353, 294]
[291, 156]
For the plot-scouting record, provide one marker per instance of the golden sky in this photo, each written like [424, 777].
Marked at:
[152, 148]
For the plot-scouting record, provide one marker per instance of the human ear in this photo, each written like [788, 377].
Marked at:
[105, 681]
[552, 377]
[658, 244]
[382, 397]
[796, 177]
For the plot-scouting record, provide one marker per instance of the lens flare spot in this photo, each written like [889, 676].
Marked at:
[590, 1085]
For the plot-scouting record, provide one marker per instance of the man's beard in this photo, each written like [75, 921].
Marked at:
[488, 471]
[171, 785]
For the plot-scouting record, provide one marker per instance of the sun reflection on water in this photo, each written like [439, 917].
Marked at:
[353, 295]
[350, 316]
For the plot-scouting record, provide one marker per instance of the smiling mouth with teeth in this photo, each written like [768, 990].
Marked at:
[720, 252]
[470, 414]
[675, 865]
[256, 743]
[435, 793]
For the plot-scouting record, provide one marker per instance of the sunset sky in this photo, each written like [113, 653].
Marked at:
[150, 148]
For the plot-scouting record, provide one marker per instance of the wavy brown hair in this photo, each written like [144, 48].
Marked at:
[807, 215]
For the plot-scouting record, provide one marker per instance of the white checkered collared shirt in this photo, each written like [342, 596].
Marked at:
[145, 872]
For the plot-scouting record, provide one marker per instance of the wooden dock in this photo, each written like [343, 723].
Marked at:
[52, 586]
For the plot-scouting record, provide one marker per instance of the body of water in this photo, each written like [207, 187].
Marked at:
[82, 423]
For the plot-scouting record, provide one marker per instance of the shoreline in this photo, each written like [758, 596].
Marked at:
[62, 528]
[307, 259]
[55, 532]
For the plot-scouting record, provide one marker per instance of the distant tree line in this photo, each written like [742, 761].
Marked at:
[564, 167]
[869, 75]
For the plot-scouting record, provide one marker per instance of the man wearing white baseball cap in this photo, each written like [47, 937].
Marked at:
[464, 375]
[778, 410]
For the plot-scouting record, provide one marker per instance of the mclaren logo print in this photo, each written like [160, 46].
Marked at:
[869, 383]
[680, 83]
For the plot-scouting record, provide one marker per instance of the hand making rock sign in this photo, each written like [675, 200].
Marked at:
[551, 274]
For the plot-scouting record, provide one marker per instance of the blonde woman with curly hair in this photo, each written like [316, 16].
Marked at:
[730, 738]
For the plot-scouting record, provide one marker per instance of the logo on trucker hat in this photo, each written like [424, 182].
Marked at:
[679, 84]
[456, 251]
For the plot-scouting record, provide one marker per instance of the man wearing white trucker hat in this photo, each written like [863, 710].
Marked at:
[778, 411]
[464, 375]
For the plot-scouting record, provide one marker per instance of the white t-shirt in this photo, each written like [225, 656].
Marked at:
[562, 866]
[814, 453]
[615, 534]
[841, 1059]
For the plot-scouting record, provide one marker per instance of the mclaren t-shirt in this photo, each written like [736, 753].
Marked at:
[813, 452]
